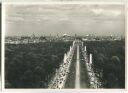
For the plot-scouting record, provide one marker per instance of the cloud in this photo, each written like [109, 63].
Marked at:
[106, 12]
[97, 11]
[70, 18]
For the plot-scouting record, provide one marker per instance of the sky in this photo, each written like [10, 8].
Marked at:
[80, 19]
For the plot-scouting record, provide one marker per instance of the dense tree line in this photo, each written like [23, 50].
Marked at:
[32, 65]
[108, 62]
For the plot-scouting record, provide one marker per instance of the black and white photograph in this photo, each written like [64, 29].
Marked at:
[64, 46]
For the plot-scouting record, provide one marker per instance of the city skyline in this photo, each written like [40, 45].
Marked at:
[64, 19]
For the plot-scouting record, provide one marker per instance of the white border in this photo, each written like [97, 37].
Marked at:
[71, 2]
[126, 45]
[3, 44]
[61, 1]
[54, 90]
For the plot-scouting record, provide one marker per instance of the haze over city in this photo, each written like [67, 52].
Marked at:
[67, 18]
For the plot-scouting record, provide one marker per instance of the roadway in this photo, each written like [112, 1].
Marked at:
[78, 75]
[72, 74]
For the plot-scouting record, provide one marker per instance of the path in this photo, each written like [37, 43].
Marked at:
[77, 82]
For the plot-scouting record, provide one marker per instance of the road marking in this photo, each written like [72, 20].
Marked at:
[77, 81]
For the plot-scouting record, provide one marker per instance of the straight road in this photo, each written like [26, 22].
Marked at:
[77, 81]
[77, 74]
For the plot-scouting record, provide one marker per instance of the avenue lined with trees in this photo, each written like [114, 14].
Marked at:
[34, 65]
[108, 62]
